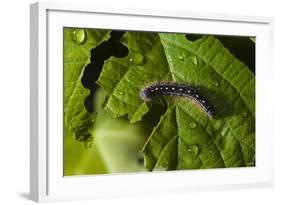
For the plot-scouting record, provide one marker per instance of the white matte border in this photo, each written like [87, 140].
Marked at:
[49, 166]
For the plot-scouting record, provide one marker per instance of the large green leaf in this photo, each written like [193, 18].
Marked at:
[185, 137]
[77, 46]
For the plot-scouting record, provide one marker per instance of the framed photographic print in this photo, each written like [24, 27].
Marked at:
[127, 102]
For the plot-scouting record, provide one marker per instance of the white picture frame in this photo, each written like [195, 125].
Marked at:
[47, 182]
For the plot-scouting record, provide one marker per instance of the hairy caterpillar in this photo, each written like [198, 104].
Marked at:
[176, 89]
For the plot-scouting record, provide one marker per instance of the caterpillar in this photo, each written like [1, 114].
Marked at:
[176, 89]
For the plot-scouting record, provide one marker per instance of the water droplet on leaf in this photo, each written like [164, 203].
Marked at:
[194, 149]
[180, 57]
[192, 125]
[137, 59]
[195, 60]
[79, 35]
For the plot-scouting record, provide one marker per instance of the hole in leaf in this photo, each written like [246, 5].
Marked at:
[193, 37]
[111, 47]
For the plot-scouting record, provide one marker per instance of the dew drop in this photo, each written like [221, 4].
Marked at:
[79, 35]
[181, 57]
[194, 149]
[137, 59]
[192, 125]
[195, 60]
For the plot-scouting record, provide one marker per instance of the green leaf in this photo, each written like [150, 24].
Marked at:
[185, 137]
[77, 46]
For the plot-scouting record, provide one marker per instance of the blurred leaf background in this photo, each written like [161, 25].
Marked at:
[115, 147]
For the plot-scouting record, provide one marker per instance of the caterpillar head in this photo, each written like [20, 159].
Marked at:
[145, 94]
